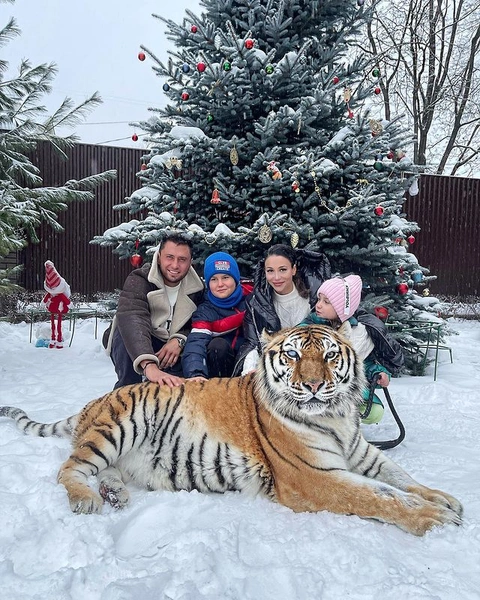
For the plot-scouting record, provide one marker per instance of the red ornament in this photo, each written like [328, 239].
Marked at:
[411, 239]
[350, 113]
[378, 210]
[194, 29]
[201, 66]
[381, 312]
[136, 260]
[377, 91]
[390, 154]
[141, 56]
[135, 137]
[143, 167]
[215, 197]
[185, 96]
[402, 289]
[336, 79]
[249, 43]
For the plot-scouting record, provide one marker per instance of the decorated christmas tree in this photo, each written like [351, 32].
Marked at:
[271, 135]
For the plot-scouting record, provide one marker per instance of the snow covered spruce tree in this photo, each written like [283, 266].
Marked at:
[24, 203]
[268, 137]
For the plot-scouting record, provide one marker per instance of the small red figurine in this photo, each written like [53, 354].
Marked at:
[57, 300]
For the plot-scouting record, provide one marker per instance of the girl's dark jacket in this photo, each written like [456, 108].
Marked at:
[313, 268]
[210, 321]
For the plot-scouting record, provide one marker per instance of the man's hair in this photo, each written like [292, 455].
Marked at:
[177, 238]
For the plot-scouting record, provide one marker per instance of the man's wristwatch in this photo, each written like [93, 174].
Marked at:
[181, 342]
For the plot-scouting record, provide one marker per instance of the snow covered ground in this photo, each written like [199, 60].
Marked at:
[192, 547]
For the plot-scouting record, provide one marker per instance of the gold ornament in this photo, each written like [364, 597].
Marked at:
[375, 126]
[234, 156]
[294, 240]
[347, 94]
[426, 292]
[173, 162]
[265, 234]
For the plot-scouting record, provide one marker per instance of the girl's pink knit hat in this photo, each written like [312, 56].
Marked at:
[344, 294]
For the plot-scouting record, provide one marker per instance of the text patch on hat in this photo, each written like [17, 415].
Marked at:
[222, 265]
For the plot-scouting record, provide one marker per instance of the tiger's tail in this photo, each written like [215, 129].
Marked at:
[62, 429]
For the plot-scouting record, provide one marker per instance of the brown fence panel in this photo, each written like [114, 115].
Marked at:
[447, 209]
[86, 267]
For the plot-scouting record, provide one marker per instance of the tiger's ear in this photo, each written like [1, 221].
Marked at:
[266, 337]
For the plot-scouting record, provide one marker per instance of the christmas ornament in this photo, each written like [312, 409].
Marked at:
[336, 79]
[411, 239]
[170, 163]
[381, 312]
[249, 43]
[274, 170]
[378, 210]
[135, 137]
[294, 240]
[426, 292]
[360, 2]
[210, 118]
[390, 154]
[265, 234]
[227, 66]
[165, 87]
[347, 95]
[269, 69]
[215, 197]
[413, 189]
[378, 165]
[185, 96]
[141, 56]
[194, 29]
[377, 91]
[185, 68]
[375, 126]
[376, 72]
[136, 260]
[201, 66]
[417, 276]
[323, 202]
[234, 156]
[402, 289]
[143, 167]
[296, 186]
[400, 154]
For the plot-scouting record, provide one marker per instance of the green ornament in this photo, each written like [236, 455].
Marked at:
[378, 165]
[227, 66]
[269, 69]
[376, 72]
[210, 118]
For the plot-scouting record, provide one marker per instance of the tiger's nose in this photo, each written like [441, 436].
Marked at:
[313, 385]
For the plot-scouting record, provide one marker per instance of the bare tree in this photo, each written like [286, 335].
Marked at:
[428, 56]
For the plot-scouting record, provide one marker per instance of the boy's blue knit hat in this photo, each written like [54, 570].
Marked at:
[220, 262]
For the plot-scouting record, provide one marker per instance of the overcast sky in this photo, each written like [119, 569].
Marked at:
[95, 45]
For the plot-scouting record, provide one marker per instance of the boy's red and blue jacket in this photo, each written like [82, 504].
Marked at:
[210, 321]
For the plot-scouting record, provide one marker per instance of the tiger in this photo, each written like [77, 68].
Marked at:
[290, 432]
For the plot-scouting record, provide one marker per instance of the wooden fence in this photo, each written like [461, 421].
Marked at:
[446, 208]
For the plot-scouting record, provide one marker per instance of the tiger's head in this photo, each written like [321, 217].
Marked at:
[309, 371]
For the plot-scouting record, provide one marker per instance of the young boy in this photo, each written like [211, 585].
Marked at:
[338, 301]
[217, 324]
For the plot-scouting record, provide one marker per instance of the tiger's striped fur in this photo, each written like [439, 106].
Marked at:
[290, 432]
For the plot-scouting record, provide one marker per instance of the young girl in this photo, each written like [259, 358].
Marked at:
[217, 331]
[283, 295]
[337, 303]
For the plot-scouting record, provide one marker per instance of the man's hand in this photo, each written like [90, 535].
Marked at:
[156, 375]
[169, 354]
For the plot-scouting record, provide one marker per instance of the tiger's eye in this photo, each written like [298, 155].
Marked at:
[330, 355]
[293, 354]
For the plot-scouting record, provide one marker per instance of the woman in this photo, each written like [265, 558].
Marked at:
[285, 288]
[217, 331]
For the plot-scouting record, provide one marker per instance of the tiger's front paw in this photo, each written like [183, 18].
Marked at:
[441, 498]
[86, 504]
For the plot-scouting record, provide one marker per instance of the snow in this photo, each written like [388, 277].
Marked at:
[188, 546]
